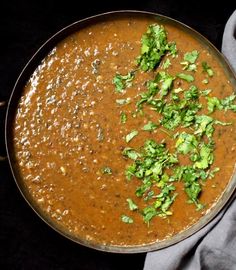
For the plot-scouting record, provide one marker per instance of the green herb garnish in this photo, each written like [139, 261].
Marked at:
[123, 117]
[189, 61]
[127, 219]
[106, 170]
[123, 101]
[154, 47]
[131, 135]
[123, 81]
[186, 77]
[132, 205]
[150, 126]
[206, 68]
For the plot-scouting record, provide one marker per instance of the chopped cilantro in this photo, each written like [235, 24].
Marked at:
[123, 101]
[172, 49]
[227, 103]
[166, 64]
[127, 219]
[189, 61]
[205, 81]
[205, 92]
[131, 135]
[213, 103]
[205, 158]
[206, 68]
[150, 126]
[186, 143]
[130, 153]
[123, 81]
[166, 81]
[204, 125]
[154, 47]
[149, 212]
[123, 117]
[191, 57]
[132, 205]
[212, 172]
[162, 84]
[192, 186]
[186, 77]
[152, 165]
[106, 170]
[192, 93]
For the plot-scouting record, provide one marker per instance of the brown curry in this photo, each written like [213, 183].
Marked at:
[68, 130]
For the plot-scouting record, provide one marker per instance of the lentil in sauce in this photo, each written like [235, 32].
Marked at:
[70, 132]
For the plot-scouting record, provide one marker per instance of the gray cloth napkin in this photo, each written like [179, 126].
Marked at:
[229, 41]
[214, 246]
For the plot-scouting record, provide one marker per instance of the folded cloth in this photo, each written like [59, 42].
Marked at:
[214, 246]
[229, 41]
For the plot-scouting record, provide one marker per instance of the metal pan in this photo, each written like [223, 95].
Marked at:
[17, 92]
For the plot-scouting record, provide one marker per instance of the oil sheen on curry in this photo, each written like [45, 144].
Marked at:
[125, 133]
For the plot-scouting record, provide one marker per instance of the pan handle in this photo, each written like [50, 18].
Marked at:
[3, 104]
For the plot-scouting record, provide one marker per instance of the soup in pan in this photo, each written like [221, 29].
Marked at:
[125, 133]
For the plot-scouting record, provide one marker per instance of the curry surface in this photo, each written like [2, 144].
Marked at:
[67, 128]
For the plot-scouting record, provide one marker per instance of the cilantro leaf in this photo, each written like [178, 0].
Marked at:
[227, 103]
[191, 57]
[106, 170]
[186, 77]
[192, 93]
[166, 64]
[189, 61]
[154, 47]
[150, 126]
[131, 135]
[204, 125]
[123, 117]
[130, 153]
[131, 204]
[205, 81]
[206, 68]
[213, 103]
[186, 143]
[166, 81]
[205, 92]
[148, 213]
[191, 185]
[206, 157]
[172, 49]
[123, 81]
[127, 219]
[123, 101]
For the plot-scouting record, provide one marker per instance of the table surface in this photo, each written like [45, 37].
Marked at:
[26, 242]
